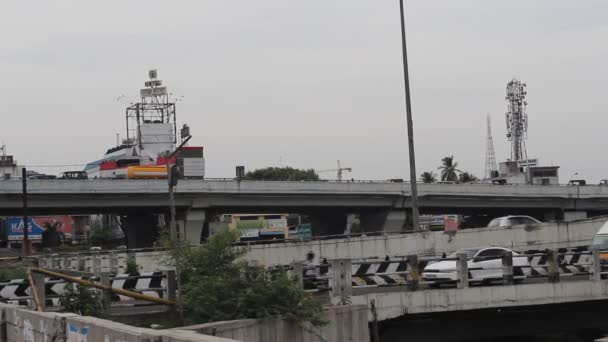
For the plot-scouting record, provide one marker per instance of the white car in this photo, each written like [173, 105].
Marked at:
[484, 264]
[514, 220]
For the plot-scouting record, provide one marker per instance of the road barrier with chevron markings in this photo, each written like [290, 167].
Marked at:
[17, 291]
[405, 270]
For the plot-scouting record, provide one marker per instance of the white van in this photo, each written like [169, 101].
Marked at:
[601, 237]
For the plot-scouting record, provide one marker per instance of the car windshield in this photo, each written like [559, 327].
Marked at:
[470, 252]
[600, 240]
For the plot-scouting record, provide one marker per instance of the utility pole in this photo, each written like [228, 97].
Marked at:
[26, 247]
[410, 128]
[172, 225]
[172, 183]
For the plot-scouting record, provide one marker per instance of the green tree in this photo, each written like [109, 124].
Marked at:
[216, 284]
[51, 236]
[428, 177]
[282, 174]
[449, 171]
[467, 177]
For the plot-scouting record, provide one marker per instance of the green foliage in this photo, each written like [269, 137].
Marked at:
[16, 271]
[132, 266]
[428, 177]
[101, 237]
[467, 177]
[83, 300]
[282, 174]
[449, 171]
[216, 285]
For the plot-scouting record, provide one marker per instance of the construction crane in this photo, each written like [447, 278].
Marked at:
[339, 170]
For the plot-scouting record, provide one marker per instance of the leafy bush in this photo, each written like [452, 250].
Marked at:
[282, 174]
[83, 300]
[216, 285]
[131, 266]
[16, 271]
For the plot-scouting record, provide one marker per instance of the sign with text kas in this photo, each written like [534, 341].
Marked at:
[37, 225]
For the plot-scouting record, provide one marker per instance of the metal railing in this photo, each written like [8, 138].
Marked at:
[345, 277]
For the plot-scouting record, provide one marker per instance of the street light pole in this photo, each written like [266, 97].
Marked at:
[410, 128]
[26, 246]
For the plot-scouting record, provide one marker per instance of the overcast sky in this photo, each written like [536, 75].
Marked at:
[304, 83]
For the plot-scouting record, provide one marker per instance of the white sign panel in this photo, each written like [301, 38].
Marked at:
[149, 92]
[527, 162]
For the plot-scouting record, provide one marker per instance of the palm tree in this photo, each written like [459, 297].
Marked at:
[467, 177]
[51, 236]
[449, 170]
[428, 177]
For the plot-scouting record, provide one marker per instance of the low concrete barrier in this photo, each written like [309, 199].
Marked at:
[544, 236]
[18, 324]
[94, 329]
[345, 324]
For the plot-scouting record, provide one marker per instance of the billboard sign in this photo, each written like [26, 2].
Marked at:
[527, 162]
[151, 92]
[37, 225]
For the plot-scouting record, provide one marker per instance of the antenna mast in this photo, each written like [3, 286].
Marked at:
[517, 119]
[490, 157]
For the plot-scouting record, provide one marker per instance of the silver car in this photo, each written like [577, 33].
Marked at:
[513, 220]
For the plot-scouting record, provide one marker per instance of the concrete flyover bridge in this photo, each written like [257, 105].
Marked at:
[381, 205]
[563, 285]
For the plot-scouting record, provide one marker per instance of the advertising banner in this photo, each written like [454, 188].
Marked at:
[37, 225]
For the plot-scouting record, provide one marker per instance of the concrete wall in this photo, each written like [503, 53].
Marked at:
[346, 324]
[396, 304]
[18, 324]
[548, 235]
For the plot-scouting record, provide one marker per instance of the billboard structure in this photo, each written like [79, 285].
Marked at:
[37, 225]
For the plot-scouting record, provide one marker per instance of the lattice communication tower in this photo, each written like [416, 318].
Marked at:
[490, 157]
[517, 119]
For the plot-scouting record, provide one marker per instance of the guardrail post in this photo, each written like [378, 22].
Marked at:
[40, 283]
[104, 279]
[171, 285]
[507, 267]
[462, 270]
[596, 265]
[113, 263]
[81, 263]
[552, 266]
[340, 278]
[298, 271]
[412, 261]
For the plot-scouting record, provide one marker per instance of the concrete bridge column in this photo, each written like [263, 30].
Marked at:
[141, 230]
[383, 220]
[328, 222]
[192, 226]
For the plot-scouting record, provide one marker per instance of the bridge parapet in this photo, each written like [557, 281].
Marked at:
[553, 276]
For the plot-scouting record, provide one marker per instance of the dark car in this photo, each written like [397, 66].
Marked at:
[74, 175]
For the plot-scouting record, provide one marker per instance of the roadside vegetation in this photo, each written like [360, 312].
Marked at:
[282, 174]
[448, 172]
[217, 284]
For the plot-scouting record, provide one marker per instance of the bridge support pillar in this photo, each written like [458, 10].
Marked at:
[141, 230]
[328, 222]
[191, 229]
[383, 220]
